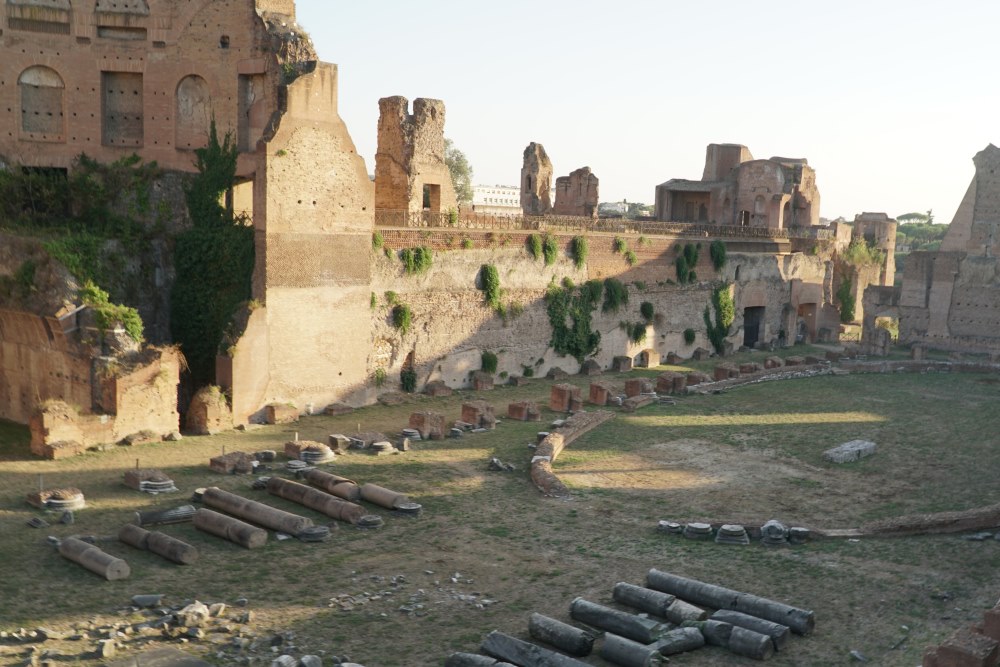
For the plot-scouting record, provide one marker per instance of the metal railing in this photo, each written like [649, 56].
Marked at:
[558, 223]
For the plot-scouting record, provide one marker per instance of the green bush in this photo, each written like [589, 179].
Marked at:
[647, 311]
[569, 311]
[377, 241]
[638, 333]
[717, 251]
[408, 380]
[550, 250]
[489, 362]
[108, 314]
[615, 295]
[489, 283]
[845, 296]
[466, 243]
[681, 266]
[534, 243]
[416, 260]
[578, 250]
[402, 317]
[630, 257]
[725, 313]
[391, 298]
[379, 377]
[527, 371]
[619, 245]
[644, 242]
[373, 301]
[689, 336]
[452, 217]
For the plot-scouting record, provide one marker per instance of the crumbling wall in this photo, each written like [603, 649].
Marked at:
[577, 194]
[410, 171]
[536, 181]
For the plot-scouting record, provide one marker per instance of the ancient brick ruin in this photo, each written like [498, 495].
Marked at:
[577, 194]
[410, 171]
[736, 189]
[536, 181]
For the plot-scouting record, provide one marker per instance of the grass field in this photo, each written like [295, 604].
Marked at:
[747, 455]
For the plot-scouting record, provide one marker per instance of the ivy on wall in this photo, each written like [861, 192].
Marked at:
[725, 313]
[570, 310]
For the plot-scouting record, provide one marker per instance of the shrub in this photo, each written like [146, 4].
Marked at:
[578, 250]
[416, 260]
[550, 249]
[644, 242]
[638, 333]
[452, 217]
[682, 269]
[630, 257]
[466, 243]
[534, 244]
[379, 377]
[647, 311]
[408, 380]
[689, 336]
[640, 285]
[619, 245]
[374, 301]
[402, 317]
[717, 251]
[108, 314]
[489, 282]
[527, 371]
[845, 296]
[391, 298]
[615, 295]
[377, 241]
[489, 362]
[725, 313]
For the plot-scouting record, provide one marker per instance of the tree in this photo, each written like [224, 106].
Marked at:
[924, 218]
[461, 172]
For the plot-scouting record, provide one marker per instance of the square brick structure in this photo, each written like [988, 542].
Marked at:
[638, 386]
[479, 414]
[621, 364]
[695, 378]
[601, 393]
[429, 424]
[561, 395]
[773, 362]
[525, 411]
[281, 413]
[482, 381]
[437, 389]
[726, 371]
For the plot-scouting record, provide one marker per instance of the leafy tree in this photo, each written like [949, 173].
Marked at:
[461, 172]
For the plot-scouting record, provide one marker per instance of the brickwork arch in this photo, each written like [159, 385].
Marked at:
[41, 92]
[193, 114]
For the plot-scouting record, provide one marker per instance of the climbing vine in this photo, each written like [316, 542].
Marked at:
[416, 260]
[717, 251]
[489, 361]
[578, 250]
[402, 317]
[615, 295]
[686, 262]
[725, 313]
[647, 311]
[570, 309]
[489, 283]
[534, 245]
[213, 260]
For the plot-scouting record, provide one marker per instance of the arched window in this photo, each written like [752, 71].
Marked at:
[42, 99]
[194, 113]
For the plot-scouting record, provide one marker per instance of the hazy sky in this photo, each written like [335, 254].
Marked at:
[888, 99]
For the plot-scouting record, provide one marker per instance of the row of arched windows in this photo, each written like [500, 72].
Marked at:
[42, 99]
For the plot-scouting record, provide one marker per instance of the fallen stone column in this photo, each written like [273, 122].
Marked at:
[335, 485]
[630, 626]
[473, 660]
[751, 644]
[315, 499]
[158, 543]
[94, 559]
[525, 654]
[173, 515]
[383, 497]
[254, 512]
[681, 611]
[230, 529]
[628, 653]
[801, 621]
[680, 640]
[643, 599]
[776, 631]
[563, 636]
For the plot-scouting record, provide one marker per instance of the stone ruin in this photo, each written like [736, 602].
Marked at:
[577, 194]
[410, 171]
[149, 480]
[536, 181]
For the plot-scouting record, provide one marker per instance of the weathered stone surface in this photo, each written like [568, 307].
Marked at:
[666, 382]
[636, 402]
[281, 413]
[701, 354]
[480, 414]
[964, 648]
[600, 393]
[591, 367]
[430, 425]
[239, 463]
[696, 378]
[482, 381]
[621, 364]
[536, 181]
[209, 412]
[725, 372]
[526, 411]
[794, 361]
[637, 386]
[556, 373]
[773, 362]
[750, 367]
[577, 194]
[437, 389]
[855, 450]
[560, 396]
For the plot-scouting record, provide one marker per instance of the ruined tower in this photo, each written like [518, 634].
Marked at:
[410, 172]
[577, 194]
[536, 181]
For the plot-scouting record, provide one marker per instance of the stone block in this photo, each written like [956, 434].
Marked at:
[430, 425]
[591, 367]
[337, 409]
[794, 361]
[209, 412]
[680, 384]
[833, 357]
[991, 623]
[480, 414]
[674, 359]
[600, 393]
[338, 442]
[57, 450]
[525, 411]
[621, 364]
[665, 382]
[725, 371]
[918, 353]
[637, 386]
[964, 648]
[482, 381]
[812, 359]
[560, 396]
[281, 413]
[634, 403]
[556, 373]
[437, 389]
[518, 381]
[647, 359]
[575, 404]
[773, 362]
[233, 463]
[855, 450]
[750, 367]
[701, 354]
[697, 377]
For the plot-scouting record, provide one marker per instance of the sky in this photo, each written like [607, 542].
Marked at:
[888, 100]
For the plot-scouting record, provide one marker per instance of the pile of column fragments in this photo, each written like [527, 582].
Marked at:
[670, 615]
[771, 534]
[230, 516]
